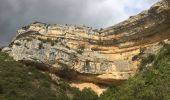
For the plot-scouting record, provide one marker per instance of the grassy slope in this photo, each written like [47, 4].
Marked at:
[20, 82]
[151, 83]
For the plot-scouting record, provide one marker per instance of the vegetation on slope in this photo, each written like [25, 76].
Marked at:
[151, 83]
[20, 82]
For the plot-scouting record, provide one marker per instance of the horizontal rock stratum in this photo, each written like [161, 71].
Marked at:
[105, 56]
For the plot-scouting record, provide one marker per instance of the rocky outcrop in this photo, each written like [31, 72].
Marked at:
[106, 56]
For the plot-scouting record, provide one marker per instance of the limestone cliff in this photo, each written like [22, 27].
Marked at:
[105, 56]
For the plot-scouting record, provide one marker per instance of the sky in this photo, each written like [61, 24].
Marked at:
[15, 14]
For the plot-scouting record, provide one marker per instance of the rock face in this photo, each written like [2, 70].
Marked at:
[105, 56]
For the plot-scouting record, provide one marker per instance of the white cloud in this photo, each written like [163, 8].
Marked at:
[119, 10]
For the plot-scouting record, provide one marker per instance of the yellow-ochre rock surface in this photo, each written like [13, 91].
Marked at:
[105, 56]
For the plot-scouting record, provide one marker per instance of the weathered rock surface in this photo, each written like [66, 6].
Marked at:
[106, 56]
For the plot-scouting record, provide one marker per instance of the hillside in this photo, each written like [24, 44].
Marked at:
[21, 82]
[93, 58]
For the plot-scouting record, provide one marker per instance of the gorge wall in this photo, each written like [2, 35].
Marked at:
[106, 56]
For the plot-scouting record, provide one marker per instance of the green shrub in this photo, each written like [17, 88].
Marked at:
[148, 60]
[86, 94]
